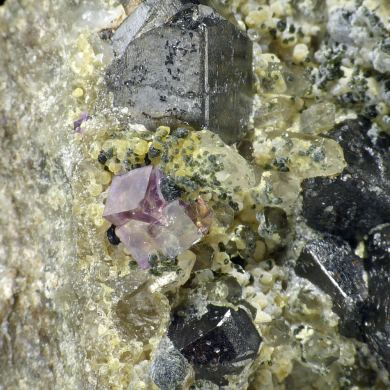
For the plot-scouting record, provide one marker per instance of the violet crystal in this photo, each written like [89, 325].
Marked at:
[77, 124]
[146, 223]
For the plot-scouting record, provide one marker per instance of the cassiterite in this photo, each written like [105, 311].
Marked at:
[146, 222]
[218, 341]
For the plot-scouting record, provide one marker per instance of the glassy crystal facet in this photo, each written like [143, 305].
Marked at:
[220, 342]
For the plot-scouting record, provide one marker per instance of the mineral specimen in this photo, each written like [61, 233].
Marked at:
[187, 71]
[75, 313]
[220, 342]
[146, 223]
[351, 204]
[330, 264]
[273, 224]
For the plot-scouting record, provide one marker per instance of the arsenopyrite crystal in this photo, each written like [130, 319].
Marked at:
[351, 204]
[188, 71]
[148, 15]
[220, 342]
[146, 222]
[330, 264]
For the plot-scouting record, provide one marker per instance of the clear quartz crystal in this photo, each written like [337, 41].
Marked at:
[318, 118]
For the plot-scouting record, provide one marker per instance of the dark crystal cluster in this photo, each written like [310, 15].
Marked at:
[183, 63]
[220, 342]
[352, 207]
[356, 201]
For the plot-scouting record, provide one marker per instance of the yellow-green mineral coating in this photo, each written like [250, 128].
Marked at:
[75, 311]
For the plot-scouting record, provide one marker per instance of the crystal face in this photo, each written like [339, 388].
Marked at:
[352, 203]
[377, 314]
[220, 342]
[194, 76]
[353, 206]
[331, 264]
[146, 222]
[148, 15]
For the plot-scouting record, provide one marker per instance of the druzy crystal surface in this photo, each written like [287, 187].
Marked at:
[187, 71]
[222, 341]
[146, 222]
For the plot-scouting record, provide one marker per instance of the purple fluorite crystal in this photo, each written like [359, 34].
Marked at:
[77, 124]
[146, 222]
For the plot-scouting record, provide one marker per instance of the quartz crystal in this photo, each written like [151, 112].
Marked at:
[146, 222]
[186, 71]
[222, 341]
[318, 118]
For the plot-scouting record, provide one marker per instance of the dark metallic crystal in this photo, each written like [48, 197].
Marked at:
[112, 237]
[330, 264]
[148, 15]
[377, 311]
[220, 342]
[195, 69]
[351, 204]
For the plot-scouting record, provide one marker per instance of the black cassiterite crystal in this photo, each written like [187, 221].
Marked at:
[112, 237]
[354, 202]
[354, 206]
[376, 318]
[220, 342]
[330, 264]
